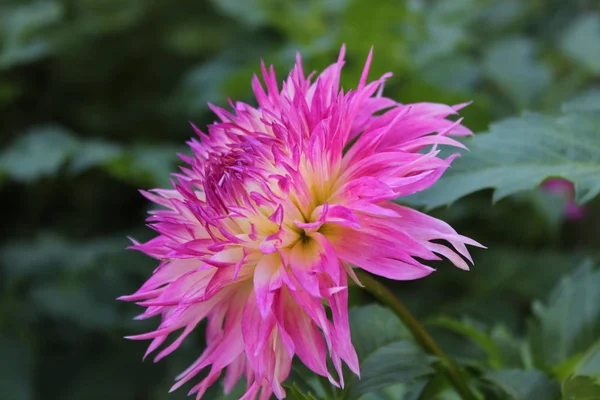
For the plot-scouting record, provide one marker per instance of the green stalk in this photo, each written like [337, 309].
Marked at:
[446, 365]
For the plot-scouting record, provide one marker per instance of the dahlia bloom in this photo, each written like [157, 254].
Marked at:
[261, 231]
[566, 190]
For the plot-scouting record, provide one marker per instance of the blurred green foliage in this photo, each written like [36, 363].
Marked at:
[95, 99]
[566, 146]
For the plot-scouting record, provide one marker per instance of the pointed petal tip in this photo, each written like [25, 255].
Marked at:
[476, 244]
[132, 240]
[332, 381]
[342, 54]
[460, 106]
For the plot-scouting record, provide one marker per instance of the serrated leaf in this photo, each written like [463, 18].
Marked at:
[581, 388]
[373, 327]
[581, 41]
[467, 327]
[512, 65]
[388, 365]
[570, 322]
[524, 384]
[387, 356]
[518, 154]
[40, 152]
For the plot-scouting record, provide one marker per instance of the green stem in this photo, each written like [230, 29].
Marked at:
[448, 367]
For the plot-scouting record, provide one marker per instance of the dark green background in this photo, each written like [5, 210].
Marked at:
[95, 99]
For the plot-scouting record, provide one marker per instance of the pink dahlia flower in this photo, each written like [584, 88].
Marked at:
[566, 189]
[279, 203]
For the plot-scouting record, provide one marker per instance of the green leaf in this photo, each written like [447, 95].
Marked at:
[406, 391]
[581, 41]
[581, 388]
[391, 364]
[444, 31]
[441, 39]
[294, 393]
[252, 13]
[149, 165]
[516, 272]
[467, 328]
[570, 322]
[303, 383]
[500, 14]
[524, 385]
[587, 363]
[367, 320]
[75, 304]
[112, 17]
[518, 154]
[205, 83]
[452, 72]
[387, 357]
[16, 373]
[46, 255]
[40, 152]
[94, 153]
[512, 65]
[586, 102]
[21, 31]
[590, 362]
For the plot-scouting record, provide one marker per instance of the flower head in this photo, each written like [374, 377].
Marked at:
[277, 205]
